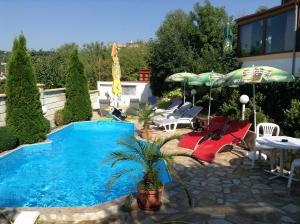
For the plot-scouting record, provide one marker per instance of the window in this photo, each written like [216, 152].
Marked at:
[280, 32]
[251, 38]
[128, 90]
[274, 34]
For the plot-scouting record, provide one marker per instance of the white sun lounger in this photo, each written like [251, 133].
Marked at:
[27, 217]
[177, 114]
[174, 105]
[187, 118]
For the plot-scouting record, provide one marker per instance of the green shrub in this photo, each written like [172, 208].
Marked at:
[163, 102]
[230, 105]
[8, 139]
[23, 106]
[176, 93]
[260, 117]
[291, 123]
[59, 117]
[78, 103]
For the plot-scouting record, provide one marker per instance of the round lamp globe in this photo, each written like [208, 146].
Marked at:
[244, 99]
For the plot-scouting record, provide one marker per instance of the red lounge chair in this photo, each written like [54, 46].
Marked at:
[236, 132]
[191, 139]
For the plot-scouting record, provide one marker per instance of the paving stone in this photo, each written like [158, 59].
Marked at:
[261, 187]
[220, 201]
[287, 219]
[214, 188]
[255, 191]
[236, 181]
[226, 182]
[227, 191]
[218, 221]
[291, 208]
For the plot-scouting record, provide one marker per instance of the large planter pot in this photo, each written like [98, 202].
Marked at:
[150, 200]
[146, 136]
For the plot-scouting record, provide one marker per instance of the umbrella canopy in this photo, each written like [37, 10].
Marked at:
[182, 77]
[116, 71]
[254, 75]
[206, 79]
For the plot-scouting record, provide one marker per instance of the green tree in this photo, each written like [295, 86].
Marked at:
[132, 59]
[78, 104]
[95, 56]
[23, 106]
[172, 51]
[208, 38]
[50, 68]
[191, 42]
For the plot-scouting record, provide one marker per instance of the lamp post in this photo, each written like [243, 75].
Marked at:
[193, 92]
[244, 99]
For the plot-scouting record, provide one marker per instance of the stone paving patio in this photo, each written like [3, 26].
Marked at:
[226, 191]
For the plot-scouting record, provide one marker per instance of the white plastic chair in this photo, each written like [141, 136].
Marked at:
[295, 163]
[265, 130]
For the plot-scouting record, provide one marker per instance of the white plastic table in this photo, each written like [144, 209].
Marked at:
[276, 142]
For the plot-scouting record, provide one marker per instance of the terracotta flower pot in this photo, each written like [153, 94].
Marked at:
[150, 200]
[144, 134]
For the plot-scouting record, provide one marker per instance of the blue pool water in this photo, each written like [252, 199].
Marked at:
[68, 171]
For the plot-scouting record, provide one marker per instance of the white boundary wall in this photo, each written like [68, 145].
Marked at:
[53, 99]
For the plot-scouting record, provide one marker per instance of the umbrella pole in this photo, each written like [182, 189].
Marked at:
[254, 108]
[184, 92]
[209, 104]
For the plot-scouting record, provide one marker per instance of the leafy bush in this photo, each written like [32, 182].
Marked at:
[292, 118]
[59, 117]
[260, 117]
[176, 93]
[164, 101]
[8, 139]
[78, 103]
[230, 106]
[23, 106]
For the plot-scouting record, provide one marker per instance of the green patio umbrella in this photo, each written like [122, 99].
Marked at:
[254, 75]
[206, 79]
[182, 77]
[228, 37]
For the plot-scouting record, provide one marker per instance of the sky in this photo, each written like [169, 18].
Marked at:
[47, 24]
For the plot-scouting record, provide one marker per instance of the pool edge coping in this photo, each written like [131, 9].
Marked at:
[78, 214]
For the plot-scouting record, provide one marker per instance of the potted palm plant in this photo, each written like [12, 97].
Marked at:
[149, 156]
[145, 114]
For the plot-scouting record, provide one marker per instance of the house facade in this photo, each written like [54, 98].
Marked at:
[271, 37]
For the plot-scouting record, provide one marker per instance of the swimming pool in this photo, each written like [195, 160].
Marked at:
[67, 171]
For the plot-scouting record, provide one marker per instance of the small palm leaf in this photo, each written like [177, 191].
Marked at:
[118, 175]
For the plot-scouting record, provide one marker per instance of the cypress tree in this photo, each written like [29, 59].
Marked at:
[23, 106]
[78, 104]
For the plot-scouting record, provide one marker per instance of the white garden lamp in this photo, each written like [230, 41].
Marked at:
[244, 99]
[193, 92]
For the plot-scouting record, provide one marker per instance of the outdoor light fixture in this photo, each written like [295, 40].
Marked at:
[193, 92]
[244, 99]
